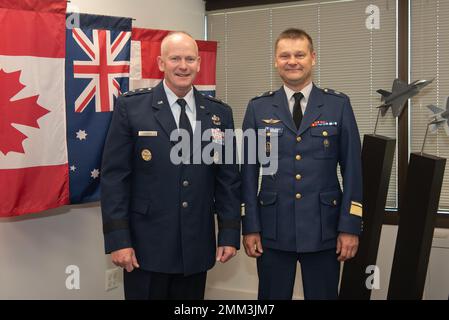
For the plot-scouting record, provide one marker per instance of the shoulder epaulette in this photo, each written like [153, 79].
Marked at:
[136, 92]
[209, 97]
[224, 104]
[334, 92]
[265, 94]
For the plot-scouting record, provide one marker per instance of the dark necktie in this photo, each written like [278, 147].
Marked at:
[297, 112]
[184, 122]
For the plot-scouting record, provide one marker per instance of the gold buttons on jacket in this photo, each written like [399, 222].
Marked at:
[334, 202]
[298, 157]
[185, 183]
[185, 204]
[298, 138]
[298, 196]
[325, 134]
[298, 177]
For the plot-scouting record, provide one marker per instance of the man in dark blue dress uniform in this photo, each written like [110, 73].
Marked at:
[301, 213]
[159, 214]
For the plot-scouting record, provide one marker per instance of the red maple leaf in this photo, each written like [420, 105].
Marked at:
[24, 111]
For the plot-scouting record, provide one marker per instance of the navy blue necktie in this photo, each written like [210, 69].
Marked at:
[297, 112]
[184, 122]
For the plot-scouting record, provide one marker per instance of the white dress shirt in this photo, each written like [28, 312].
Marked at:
[176, 108]
[291, 101]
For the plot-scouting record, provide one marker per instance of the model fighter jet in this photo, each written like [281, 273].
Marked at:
[439, 118]
[399, 94]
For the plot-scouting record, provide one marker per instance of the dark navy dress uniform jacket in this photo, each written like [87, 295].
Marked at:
[166, 212]
[302, 208]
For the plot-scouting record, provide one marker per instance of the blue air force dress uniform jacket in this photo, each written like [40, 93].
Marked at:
[301, 207]
[163, 210]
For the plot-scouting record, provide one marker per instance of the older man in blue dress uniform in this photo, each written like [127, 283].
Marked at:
[158, 213]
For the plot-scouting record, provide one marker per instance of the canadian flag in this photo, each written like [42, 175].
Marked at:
[33, 152]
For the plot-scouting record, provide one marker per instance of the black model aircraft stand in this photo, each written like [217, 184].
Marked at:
[417, 217]
[421, 200]
[377, 162]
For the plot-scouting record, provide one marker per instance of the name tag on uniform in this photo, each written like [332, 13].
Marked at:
[274, 130]
[147, 133]
[217, 136]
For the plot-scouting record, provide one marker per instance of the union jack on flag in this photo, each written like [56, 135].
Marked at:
[102, 67]
[97, 70]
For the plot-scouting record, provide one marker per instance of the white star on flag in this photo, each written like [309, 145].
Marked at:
[81, 135]
[95, 173]
[72, 168]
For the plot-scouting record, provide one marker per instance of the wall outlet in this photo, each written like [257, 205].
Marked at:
[112, 278]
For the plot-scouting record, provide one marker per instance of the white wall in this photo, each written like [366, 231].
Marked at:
[36, 249]
[185, 15]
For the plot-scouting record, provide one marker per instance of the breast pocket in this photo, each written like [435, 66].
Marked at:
[330, 209]
[267, 203]
[325, 142]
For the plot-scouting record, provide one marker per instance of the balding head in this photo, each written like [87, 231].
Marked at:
[177, 37]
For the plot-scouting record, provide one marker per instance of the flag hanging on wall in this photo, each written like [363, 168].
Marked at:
[97, 71]
[145, 48]
[33, 154]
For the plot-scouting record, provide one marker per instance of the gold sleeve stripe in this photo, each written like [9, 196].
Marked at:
[242, 210]
[356, 209]
[358, 204]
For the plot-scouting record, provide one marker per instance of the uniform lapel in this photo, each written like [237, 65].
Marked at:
[313, 111]
[202, 117]
[282, 110]
[163, 113]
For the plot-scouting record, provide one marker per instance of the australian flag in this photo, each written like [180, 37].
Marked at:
[97, 71]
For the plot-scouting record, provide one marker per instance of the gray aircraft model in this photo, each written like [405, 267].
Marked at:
[439, 118]
[399, 94]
